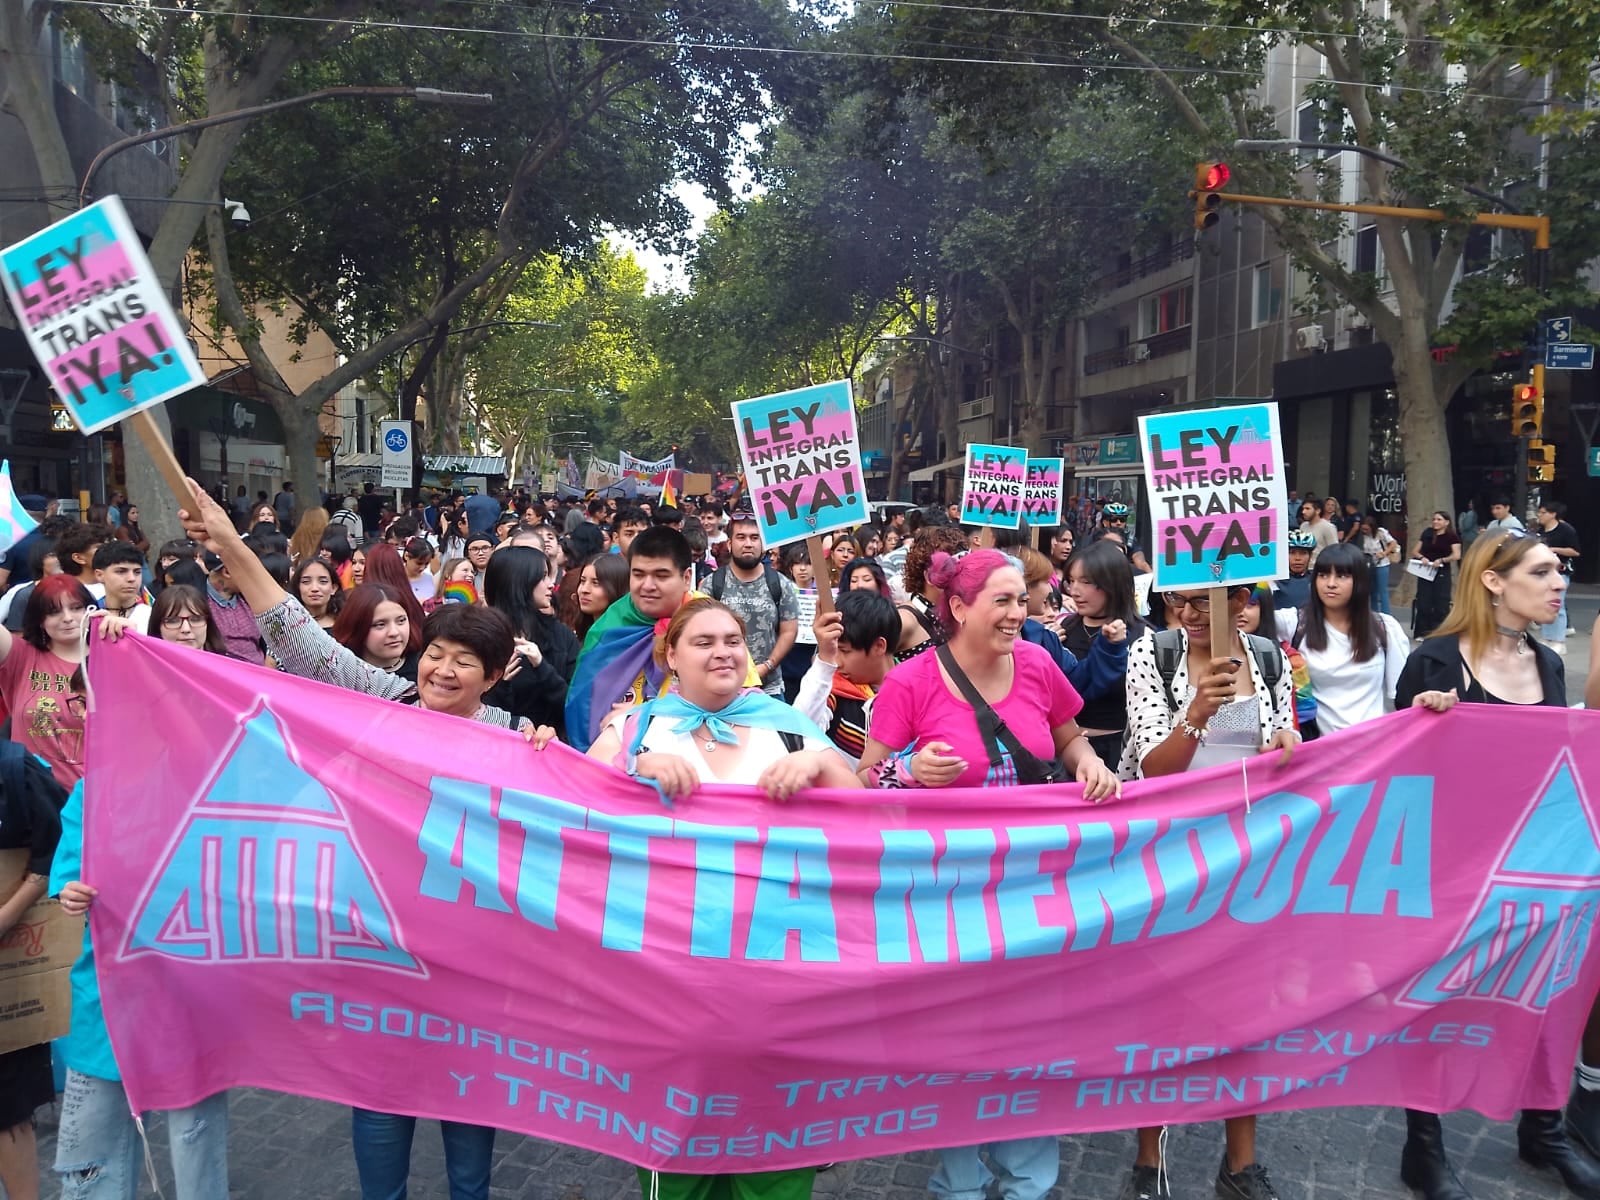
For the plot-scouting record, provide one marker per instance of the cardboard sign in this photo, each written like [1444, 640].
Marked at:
[802, 459]
[36, 955]
[1041, 493]
[97, 318]
[1217, 499]
[991, 492]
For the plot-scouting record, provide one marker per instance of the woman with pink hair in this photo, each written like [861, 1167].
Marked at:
[987, 709]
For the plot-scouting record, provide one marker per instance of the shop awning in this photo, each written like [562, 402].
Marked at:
[926, 474]
[465, 464]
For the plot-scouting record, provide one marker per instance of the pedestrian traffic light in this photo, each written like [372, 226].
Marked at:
[1541, 462]
[1527, 411]
[1209, 178]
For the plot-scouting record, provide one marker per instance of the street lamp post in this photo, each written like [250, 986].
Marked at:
[427, 95]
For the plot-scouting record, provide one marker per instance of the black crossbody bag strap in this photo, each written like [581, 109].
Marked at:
[1029, 766]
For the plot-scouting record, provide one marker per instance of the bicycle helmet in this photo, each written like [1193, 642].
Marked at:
[1301, 540]
[1116, 509]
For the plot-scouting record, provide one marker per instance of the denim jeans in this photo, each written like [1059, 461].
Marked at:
[1380, 587]
[383, 1155]
[1027, 1167]
[99, 1155]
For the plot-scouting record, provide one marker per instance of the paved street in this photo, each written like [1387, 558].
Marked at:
[283, 1146]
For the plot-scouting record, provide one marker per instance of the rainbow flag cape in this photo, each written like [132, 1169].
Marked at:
[617, 651]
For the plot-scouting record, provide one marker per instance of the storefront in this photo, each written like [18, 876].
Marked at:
[227, 439]
[1101, 470]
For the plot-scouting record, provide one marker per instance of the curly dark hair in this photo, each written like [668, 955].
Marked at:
[930, 539]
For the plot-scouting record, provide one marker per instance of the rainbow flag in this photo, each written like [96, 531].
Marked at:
[668, 495]
[459, 591]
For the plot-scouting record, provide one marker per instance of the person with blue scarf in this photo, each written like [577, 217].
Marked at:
[711, 728]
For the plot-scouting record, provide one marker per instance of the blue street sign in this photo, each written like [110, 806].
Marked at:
[1594, 460]
[1558, 329]
[397, 441]
[1568, 356]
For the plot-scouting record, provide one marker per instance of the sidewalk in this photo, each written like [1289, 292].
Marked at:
[1583, 608]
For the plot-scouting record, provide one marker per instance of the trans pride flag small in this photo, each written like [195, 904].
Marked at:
[15, 523]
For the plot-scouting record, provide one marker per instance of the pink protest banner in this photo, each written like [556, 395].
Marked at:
[1218, 504]
[311, 891]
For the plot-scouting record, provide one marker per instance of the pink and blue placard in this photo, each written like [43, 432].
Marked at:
[802, 461]
[991, 489]
[1041, 493]
[1218, 506]
[96, 316]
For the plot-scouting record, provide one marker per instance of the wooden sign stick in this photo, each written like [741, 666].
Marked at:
[1221, 623]
[819, 573]
[160, 451]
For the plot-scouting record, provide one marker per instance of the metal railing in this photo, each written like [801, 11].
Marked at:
[1180, 251]
[1174, 341]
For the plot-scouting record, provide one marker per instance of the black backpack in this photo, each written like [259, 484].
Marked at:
[1168, 647]
[718, 583]
[30, 806]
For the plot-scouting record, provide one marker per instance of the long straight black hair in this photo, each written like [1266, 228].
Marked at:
[1366, 627]
[1106, 566]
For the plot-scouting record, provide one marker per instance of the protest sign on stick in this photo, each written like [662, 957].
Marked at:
[1217, 499]
[991, 491]
[97, 318]
[1041, 495]
[802, 461]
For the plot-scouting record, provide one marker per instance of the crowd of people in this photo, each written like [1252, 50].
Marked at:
[669, 642]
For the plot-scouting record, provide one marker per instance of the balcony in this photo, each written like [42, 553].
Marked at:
[1181, 251]
[1174, 341]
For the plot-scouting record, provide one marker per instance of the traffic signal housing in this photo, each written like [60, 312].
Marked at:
[1541, 462]
[1527, 411]
[1209, 179]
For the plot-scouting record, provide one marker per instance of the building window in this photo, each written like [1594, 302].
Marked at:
[1266, 298]
[1164, 312]
[1314, 122]
[1367, 251]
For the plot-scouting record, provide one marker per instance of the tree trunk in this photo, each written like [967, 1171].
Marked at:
[1423, 433]
[300, 436]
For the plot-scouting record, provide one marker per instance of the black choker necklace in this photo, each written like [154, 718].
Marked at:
[1520, 634]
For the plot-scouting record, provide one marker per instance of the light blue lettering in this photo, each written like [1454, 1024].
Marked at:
[628, 879]
[1319, 893]
[1266, 885]
[1405, 823]
[919, 890]
[459, 816]
[711, 935]
[1104, 882]
[1022, 885]
[539, 872]
[794, 860]
[1185, 906]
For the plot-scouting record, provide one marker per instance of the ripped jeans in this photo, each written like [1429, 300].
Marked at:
[99, 1155]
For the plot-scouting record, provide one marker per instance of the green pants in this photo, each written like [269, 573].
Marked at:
[793, 1184]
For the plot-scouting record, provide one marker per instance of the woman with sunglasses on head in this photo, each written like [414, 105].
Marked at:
[1354, 655]
[1485, 652]
[1192, 705]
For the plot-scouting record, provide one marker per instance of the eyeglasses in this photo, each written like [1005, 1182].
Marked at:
[1176, 602]
[180, 622]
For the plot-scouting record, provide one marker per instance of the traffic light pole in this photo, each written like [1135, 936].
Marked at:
[1524, 497]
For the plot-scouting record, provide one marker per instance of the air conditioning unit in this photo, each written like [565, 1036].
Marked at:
[1310, 337]
[1141, 352]
[1356, 319]
[981, 407]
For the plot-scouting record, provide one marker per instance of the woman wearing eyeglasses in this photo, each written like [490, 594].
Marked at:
[180, 614]
[1192, 705]
[1485, 652]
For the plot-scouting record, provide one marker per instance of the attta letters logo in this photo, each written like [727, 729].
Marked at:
[265, 869]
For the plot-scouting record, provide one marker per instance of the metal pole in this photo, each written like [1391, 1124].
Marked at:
[427, 95]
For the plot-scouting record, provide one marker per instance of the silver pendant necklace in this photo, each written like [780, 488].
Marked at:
[1519, 634]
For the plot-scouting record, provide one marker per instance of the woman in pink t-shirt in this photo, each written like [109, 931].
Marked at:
[36, 675]
[925, 734]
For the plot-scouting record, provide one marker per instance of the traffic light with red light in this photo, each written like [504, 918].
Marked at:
[1209, 179]
[1541, 462]
[1527, 411]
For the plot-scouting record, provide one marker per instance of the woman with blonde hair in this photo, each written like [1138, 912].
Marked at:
[1485, 652]
[306, 543]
